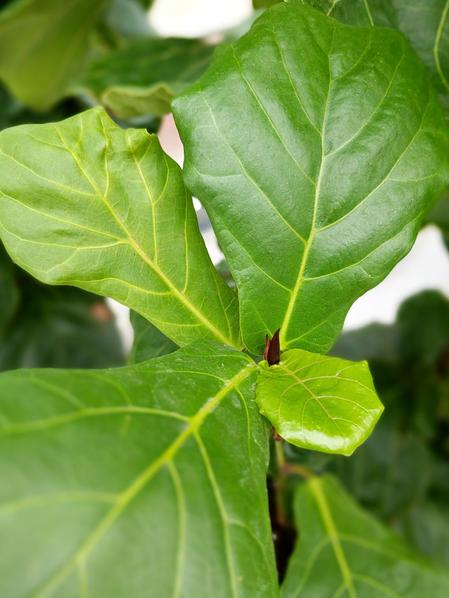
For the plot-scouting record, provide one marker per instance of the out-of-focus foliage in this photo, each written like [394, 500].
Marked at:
[43, 326]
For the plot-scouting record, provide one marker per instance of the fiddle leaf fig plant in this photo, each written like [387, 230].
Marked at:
[317, 150]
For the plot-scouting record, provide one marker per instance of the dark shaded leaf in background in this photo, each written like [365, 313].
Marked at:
[43, 44]
[333, 208]
[160, 465]
[43, 326]
[319, 402]
[144, 77]
[149, 342]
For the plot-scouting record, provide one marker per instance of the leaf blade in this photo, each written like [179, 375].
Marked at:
[311, 166]
[194, 403]
[339, 394]
[100, 223]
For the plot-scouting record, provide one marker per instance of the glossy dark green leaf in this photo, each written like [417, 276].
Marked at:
[149, 342]
[344, 551]
[317, 402]
[144, 77]
[316, 149]
[43, 44]
[136, 481]
[86, 203]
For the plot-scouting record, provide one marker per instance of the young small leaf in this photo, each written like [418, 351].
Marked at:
[344, 551]
[86, 203]
[316, 402]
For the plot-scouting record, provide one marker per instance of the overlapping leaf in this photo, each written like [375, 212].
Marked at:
[316, 149]
[321, 403]
[144, 77]
[86, 203]
[43, 44]
[343, 551]
[147, 479]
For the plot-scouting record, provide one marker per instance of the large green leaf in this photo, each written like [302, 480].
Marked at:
[317, 402]
[145, 76]
[43, 44]
[343, 551]
[147, 480]
[316, 149]
[86, 203]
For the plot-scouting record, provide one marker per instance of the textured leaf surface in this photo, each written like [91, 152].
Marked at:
[86, 203]
[145, 76]
[423, 22]
[316, 149]
[149, 342]
[316, 402]
[136, 481]
[343, 551]
[43, 44]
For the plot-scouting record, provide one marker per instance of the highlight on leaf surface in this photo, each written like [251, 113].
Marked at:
[327, 145]
[149, 479]
[344, 551]
[318, 402]
[86, 203]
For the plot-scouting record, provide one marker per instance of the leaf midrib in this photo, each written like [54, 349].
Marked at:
[333, 534]
[139, 483]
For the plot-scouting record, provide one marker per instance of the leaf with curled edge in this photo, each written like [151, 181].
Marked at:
[161, 465]
[85, 203]
[344, 551]
[316, 149]
[317, 402]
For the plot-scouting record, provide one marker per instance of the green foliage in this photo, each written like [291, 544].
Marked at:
[303, 237]
[344, 551]
[146, 458]
[53, 327]
[99, 239]
[149, 342]
[161, 68]
[318, 150]
[43, 43]
[322, 403]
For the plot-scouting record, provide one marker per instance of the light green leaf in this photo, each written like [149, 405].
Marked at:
[136, 481]
[316, 402]
[144, 77]
[86, 203]
[149, 342]
[316, 149]
[344, 551]
[43, 43]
